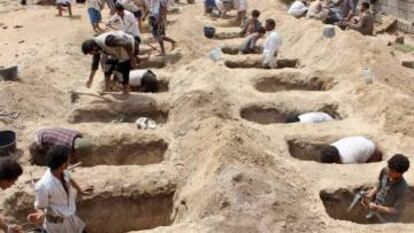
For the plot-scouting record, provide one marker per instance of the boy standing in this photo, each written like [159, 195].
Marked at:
[55, 196]
[63, 3]
[94, 12]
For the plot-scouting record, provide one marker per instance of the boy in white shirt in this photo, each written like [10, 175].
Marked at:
[55, 196]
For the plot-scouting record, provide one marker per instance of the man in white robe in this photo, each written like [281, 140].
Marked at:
[55, 196]
[271, 46]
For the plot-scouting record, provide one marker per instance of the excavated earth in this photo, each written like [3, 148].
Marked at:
[221, 159]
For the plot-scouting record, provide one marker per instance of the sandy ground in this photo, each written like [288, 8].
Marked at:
[221, 172]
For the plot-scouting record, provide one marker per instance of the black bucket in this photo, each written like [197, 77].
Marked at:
[209, 32]
[7, 143]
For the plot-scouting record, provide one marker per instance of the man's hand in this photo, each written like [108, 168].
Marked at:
[89, 83]
[88, 190]
[373, 206]
[15, 229]
[36, 218]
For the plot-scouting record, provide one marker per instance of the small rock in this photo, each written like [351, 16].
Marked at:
[18, 26]
[21, 42]
[5, 27]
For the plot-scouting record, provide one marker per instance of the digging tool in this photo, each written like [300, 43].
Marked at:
[357, 199]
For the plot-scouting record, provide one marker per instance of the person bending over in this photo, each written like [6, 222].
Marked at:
[47, 138]
[310, 117]
[351, 150]
[117, 52]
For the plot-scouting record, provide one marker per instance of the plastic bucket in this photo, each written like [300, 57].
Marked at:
[7, 143]
[9, 74]
[209, 32]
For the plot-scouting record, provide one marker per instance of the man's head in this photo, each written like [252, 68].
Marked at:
[270, 24]
[58, 158]
[255, 14]
[397, 166]
[90, 47]
[261, 31]
[119, 9]
[364, 6]
[292, 118]
[10, 171]
[330, 154]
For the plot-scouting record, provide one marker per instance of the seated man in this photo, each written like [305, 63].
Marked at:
[252, 24]
[143, 81]
[10, 171]
[315, 10]
[365, 23]
[249, 44]
[388, 197]
[48, 138]
[55, 196]
[298, 8]
[311, 117]
[271, 45]
[351, 150]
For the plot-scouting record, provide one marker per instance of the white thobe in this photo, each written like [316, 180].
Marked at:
[314, 117]
[153, 7]
[128, 25]
[240, 5]
[297, 9]
[270, 47]
[52, 197]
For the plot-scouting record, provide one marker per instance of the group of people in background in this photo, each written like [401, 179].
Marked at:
[118, 50]
[340, 12]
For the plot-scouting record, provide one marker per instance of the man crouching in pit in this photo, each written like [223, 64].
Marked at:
[55, 196]
[117, 52]
[388, 197]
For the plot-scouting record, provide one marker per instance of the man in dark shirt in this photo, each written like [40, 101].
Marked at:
[388, 197]
[117, 52]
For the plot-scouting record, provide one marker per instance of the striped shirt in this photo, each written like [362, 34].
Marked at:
[48, 138]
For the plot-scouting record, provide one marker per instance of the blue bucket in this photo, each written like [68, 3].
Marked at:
[7, 143]
[209, 32]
